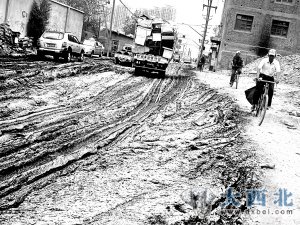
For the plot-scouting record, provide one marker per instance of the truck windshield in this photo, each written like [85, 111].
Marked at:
[53, 35]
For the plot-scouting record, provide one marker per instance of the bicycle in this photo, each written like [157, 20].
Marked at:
[262, 104]
[236, 79]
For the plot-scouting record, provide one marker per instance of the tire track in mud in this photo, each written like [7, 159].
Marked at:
[17, 178]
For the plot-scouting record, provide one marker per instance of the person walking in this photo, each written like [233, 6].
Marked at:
[202, 63]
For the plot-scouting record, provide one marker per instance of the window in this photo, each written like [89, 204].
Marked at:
[280, 28]
[284, 1]
[53, 35]
[243, 22]
[75, 39]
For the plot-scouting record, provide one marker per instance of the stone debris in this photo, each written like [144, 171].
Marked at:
[8, 45]
[290, 69]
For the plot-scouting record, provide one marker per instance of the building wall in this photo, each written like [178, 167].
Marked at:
[123, 40]
[18, 15]
[75, 22]
[58, 17]
[2, 10]
[250, 43]
[19, 10]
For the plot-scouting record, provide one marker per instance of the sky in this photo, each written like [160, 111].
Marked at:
[187, 11]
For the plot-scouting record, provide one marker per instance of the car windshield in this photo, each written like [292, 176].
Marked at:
[53, 35]
[88, 42]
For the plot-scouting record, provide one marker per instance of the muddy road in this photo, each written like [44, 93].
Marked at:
[91, 143]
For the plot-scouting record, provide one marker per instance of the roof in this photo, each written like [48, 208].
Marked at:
[117, 33]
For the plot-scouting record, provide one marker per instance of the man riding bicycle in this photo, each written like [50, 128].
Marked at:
[266, 70]
[237, 65]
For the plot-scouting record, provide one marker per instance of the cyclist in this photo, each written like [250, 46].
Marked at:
[237, 65]
[266, 70]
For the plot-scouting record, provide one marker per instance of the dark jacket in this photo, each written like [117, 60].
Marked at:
[237, 62]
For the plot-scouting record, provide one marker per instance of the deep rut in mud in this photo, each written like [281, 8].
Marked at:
[100, 116]
[45, 141]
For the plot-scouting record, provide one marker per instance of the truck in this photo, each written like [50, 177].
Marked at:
[124, 56]
[154, 43]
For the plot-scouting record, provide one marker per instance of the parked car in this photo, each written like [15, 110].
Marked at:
[176, 57]
[60, 44]
[93, 47]
[124, 56]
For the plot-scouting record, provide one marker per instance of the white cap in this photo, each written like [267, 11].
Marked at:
[238, 52]
[272, 52]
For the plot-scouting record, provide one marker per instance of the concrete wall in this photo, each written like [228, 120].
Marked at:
[18, 14]
[62, 17]
[249, 42]
[75, 21]
[2, 10]
[58, 18]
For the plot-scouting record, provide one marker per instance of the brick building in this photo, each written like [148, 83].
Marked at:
[255, 26]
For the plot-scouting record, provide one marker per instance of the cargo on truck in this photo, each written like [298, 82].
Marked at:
[154, 44]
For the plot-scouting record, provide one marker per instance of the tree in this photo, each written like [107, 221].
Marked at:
[129, 24]
[38, 19]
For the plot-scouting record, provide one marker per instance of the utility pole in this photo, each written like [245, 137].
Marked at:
[111, 23]
[209, 6]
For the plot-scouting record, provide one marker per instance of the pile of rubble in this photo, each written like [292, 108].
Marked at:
[5, 39]
[290, 67]
[11, 44]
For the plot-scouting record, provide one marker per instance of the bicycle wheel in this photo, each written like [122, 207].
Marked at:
[264, 106]
[258, 107]
[236, 81]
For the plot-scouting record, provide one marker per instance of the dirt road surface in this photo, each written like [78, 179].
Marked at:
[91, 143]
[278, 144]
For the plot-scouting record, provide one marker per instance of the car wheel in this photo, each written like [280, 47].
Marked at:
[92, 53]
[68, 56]
[40, 55]
[81, 57]
[56, 57]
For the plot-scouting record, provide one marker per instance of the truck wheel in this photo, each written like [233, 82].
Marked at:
[162, 74]
[117, 61]
[67, 56]
[81, 57]
[137, 71]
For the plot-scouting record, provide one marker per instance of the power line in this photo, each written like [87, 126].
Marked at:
[127, 8]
